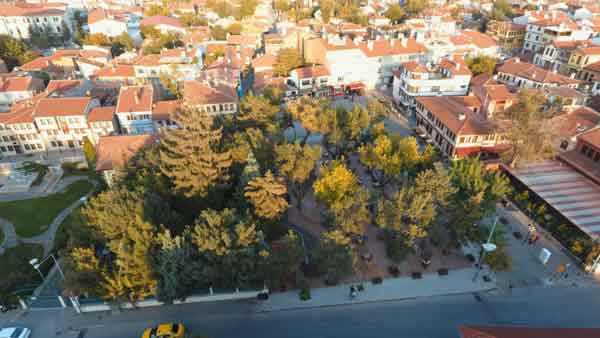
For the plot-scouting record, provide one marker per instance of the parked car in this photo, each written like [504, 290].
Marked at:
[167, 330]
[15, 332]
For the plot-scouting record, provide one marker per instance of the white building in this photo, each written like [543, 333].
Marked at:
[17, 20]
[134, 110]
[450, 78]
[102, 21]
[14, 89]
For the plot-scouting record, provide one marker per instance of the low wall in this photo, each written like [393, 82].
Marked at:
[104, 306]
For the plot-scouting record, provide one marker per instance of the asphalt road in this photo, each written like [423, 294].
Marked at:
[426, 317]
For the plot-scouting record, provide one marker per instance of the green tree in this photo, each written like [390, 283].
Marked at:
[247, 8]
[192, 156]
[121, 44]
[175, 267]
[267, 195]
[155, 10]
[117, 216]
[395, 13]
[15, 52]
[281, 6]
[257, 112]
[296, 163]
[529, 138]
[90, 152]
[327, 7]
[168, 81]
[97, 39]
[482, 64]
[283, 261]
[287, 60]
[192, 20]
[477, 192]
[218, 33]
[415, 7]
[334, 256]
[230, 246]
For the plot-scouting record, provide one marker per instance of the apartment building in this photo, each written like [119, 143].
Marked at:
[18, 88]
[495, 97]
[134, 109]
[62, 122]
[19, 19]
[558, 28]
[109, 23]
[215, 99]
[455, 127]
[310, 80]
[413, 79]
[527, 75]
[509, 35]
[556, 55]
[18, 133]
[580, 58]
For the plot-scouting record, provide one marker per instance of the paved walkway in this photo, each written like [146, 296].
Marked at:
[456, 282]
[47, 238]
[527, 269]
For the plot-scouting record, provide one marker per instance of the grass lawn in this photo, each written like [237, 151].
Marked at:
[16, 270]
[31, 217]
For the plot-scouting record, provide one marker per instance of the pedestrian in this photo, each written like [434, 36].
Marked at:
[352, 292]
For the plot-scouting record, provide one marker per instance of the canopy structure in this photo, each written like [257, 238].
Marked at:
[566, 190]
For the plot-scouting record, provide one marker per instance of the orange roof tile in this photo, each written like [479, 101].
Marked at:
[63, 106]
[115, 151]
[516, 67]
[135, 99]
[163, 110]
[101, 114]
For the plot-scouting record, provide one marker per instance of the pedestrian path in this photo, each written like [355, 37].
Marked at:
[456, 282]
[47, 238]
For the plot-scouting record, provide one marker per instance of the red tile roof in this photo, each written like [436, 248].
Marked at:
[135, 99]
[312, 71]
[473, 37]
[525, 332]
[20, 84]
[572, 123]
[101, 114]
[516, 67]
[448, 109]
[26, 9]
[197, 93]
[115, 151]
[62, 85]
[116, 71]
[63, 106]
[386, 47]
[162, 110]
[161, 20]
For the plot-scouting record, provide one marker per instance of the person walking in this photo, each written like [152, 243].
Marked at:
[352, 292]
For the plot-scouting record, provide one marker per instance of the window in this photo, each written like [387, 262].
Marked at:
[584, 149]
[10, 148]
[53, 144]
[5, 138]
[3, 149]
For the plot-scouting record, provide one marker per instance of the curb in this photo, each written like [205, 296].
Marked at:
[362, 302]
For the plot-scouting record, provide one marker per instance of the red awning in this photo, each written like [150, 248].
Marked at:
[355, 86]
[466, 151]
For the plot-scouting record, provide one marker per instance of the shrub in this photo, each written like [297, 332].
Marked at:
[304, 294]
[498, 260]
[395, 249]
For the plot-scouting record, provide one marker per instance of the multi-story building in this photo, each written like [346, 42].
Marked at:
[455, 127]
[371, 63]
[559, 28]
[101, 121]
[109, 23]
[310, 80]
[495, 97]
[555, 56]
[17, 88]
[527, 75]
[62, 122]
[509, 35]
[450, 77]
[134, 109]
[18, 133]
[19, 19]
[582, 57]
[214, 99]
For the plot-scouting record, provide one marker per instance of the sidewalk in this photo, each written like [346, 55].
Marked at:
[456, 282]
[527, 269]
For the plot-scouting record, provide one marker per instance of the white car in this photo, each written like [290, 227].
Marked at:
[15, 332]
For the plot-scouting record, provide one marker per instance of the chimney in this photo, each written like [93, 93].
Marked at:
[457, 66]
[392, 42]
[461, 116]
[517, 60]
[403, 42]
[370, 45]
[137, 96]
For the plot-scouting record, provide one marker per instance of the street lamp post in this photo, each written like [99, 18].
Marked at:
[486, 247]
[36, 265]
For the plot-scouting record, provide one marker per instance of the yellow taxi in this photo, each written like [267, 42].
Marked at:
[168, 330]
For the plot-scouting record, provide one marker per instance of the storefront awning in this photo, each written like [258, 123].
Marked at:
[569, 192]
